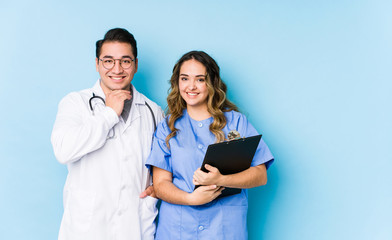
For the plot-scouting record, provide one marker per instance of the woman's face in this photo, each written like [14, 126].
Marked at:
[192, 84]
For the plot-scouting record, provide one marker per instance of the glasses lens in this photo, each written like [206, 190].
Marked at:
[108, 63]
[126, 63]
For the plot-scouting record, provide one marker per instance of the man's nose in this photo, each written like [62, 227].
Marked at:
[117, 67]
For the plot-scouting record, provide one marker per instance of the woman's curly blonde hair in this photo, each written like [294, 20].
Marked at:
[217, 102]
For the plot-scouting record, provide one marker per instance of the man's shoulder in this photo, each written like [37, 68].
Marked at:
[145, 99]
[152, 103]
[78, 95]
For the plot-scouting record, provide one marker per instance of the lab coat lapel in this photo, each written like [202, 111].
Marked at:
[98, 90]
[98, 105]
[135, 111]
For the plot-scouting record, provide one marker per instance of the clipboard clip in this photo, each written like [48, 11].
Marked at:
[233, 135]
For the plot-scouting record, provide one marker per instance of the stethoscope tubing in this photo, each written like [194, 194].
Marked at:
[94, 96]
[103, 100]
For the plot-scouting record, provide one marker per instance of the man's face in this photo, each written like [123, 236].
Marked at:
[116, 78]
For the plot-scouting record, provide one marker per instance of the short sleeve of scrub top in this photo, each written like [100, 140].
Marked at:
[240, 123]
[160, 154]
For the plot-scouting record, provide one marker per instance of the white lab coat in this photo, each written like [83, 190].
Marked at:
[106, 172]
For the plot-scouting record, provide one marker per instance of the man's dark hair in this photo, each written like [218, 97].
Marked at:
[117, 35]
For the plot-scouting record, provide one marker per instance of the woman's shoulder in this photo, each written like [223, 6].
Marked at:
[163, 125]
[233, 115]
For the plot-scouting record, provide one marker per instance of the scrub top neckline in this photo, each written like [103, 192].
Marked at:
[204, 121]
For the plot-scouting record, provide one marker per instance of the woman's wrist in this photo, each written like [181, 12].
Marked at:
[222, 181]
[189, 199]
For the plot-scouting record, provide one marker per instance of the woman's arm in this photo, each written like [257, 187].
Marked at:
[249, 178]
[167, 191]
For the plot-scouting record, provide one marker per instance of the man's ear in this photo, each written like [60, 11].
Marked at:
[96, 64]
[136, 64]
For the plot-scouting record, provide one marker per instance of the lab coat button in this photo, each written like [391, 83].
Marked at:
[200, 124]
[201, 228]
[200, 146]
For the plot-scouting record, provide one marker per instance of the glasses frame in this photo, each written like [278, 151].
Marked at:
[133, 60]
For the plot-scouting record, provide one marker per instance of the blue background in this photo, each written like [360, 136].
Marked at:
[313, 76]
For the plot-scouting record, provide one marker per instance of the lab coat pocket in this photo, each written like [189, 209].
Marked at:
[148, 214]
[150, 203]
[80, 208]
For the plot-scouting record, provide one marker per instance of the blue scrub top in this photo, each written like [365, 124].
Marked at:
[223, 218]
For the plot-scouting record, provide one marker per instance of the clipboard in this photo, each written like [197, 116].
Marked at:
[231, 157]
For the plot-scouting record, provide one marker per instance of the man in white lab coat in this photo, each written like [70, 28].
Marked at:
[104, 136]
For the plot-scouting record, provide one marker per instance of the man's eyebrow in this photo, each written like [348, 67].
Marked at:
[108, 56]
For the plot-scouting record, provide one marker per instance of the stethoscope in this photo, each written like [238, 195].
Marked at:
[103, 100]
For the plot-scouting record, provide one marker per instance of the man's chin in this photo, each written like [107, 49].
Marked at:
[109, 85]
[127, 87]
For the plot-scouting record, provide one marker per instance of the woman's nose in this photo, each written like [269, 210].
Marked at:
[192, 85]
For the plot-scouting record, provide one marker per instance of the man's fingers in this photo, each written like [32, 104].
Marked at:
[148, 192]
[120, 91]
[121, 94]
[115, 99]
[143, 194]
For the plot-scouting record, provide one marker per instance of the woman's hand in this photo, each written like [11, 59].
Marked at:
[213, 177]
[204, 194]
[167, 191]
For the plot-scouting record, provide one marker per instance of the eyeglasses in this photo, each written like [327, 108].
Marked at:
[109, 63]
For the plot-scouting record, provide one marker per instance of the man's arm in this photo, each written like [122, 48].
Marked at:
[77, 133]
[159, 115]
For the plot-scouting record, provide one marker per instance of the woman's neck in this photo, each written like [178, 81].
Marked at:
[198, 113]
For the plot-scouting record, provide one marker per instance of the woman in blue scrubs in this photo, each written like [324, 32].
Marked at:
[199, 114]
